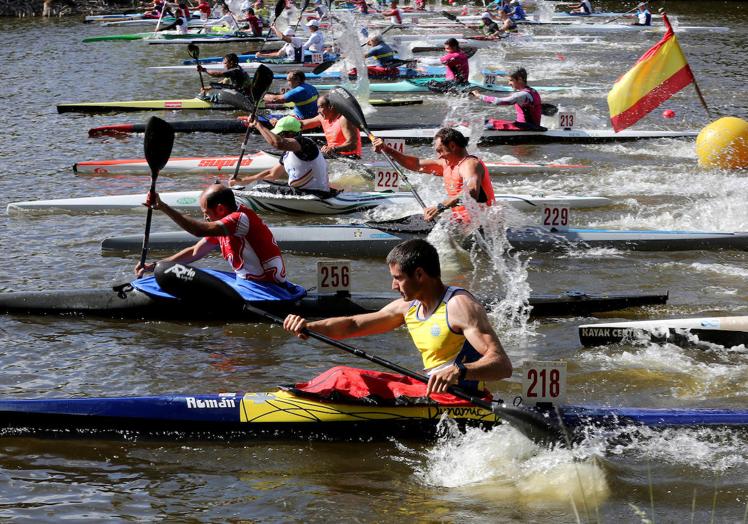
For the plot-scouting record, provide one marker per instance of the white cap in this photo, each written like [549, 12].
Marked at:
[486, 15]
[312, 23]
[288, 31]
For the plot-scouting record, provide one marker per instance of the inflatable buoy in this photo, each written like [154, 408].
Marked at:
[668, 113]
[724, 143]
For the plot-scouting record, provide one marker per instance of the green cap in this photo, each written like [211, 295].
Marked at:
[287, 123]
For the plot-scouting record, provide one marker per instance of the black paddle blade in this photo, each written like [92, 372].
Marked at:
[157, 144]
[261, 82]
[548, 109]
[347, 105]
[195, 285]
[238, 100]
[450, 16]
[469, 51]
[531, 424]
[194, 51]
[280, 5]
[304, 5]
[324, 66]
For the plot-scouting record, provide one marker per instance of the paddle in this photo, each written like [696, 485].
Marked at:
[194, 52]
[623, 14]
[157, 144]
[260, 84]
[324, 66]
[455, 19]
[280, 5]
[529, 423]
[304, 5]
[391, 26]
[347, 105]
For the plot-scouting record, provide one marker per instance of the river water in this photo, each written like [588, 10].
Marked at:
[671, 476]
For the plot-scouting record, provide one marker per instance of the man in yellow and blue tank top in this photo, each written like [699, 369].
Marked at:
[448, 325]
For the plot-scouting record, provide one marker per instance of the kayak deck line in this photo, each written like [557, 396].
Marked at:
[281, 414]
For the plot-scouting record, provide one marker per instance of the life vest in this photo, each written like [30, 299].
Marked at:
[433, 336]
[453, 184]
[530, 114]
[333, 131]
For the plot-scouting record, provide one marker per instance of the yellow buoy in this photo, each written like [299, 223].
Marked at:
[724, 143]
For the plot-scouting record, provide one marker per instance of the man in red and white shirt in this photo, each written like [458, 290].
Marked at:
[245, 241]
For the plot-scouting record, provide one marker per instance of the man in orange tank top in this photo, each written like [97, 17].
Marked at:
[461, 171]
[342, 136]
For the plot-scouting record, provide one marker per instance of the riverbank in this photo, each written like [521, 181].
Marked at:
[20, 8]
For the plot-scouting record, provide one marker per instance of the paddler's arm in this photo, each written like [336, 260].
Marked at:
[469, 317]
[409, 162]
[188, 255]
[311, 123]
[274, 173]
[515, 98]
[198, 228]
[472, 173]
[386, 319]
[276, 141]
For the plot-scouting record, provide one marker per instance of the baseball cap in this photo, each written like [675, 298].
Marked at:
[312, 23]
[287, 124]
[288, 31]
[486, 15]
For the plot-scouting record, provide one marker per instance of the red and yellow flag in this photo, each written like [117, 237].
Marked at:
[658, 74]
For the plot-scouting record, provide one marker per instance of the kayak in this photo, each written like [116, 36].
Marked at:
[421, 85]
[376, 239]
[137, 301]
[415, 135]
[174, 35]
[282, 414]
[284, 199]
[188, 103]
[260, 161]
[725, 331]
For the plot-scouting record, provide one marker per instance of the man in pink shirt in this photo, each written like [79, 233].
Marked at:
[458, 69]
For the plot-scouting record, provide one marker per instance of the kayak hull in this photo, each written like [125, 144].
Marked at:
[282, 415]
[367, 241]
[724, 331]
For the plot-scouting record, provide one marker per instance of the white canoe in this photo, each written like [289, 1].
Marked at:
[726, 331]
[271, 197]
[260, 161]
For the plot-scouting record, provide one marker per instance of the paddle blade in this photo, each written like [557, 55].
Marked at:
[347, 105]
[157, 144]
[469, 51]
[324, 66]
[238, 100]
[280, 5]
[195, 285]
[548, 109]
[304, 5]
[450, 16]
[194, 51]
[261, 82]
[531, 424]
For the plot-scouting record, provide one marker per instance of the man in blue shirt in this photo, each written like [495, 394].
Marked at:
[302, 95]
[380, 51]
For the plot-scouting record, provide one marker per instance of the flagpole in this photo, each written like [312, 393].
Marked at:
[695, 84]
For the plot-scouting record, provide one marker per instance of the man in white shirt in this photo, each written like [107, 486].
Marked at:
[316, 41]
[292, 50]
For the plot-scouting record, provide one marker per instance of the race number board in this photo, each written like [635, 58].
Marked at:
[556, 217]
[544, 381]
[386, 180]
[334, 276]
[567, 119]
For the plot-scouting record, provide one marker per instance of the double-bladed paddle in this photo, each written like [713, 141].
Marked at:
[260, 84]
[280, 5]
[157, 144]
[347, 105]
[304, 5]
[529, 423]
[391, 26]
[623, 14]
[194, 52]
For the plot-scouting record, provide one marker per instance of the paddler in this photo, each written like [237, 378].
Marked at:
[383, 56]
[461, 172]
[316, 41]
[245, 241]
[303, 96]
[488, 26]
[343, 138]
[302, 162]
[234, 77]
[584, 7]
[526, 102]
[517, 13]
[182, 19]
[448, 326]
[396, 16]
[506, 23]
[458, 68]
[291, 50]
[253, 22]
[204, 8]
[643, 16]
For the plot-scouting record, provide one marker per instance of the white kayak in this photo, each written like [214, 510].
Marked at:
[492, 136]
[726, 331]
[283, 199]
[260, 161]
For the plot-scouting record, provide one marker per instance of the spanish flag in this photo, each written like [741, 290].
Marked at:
[659, 74]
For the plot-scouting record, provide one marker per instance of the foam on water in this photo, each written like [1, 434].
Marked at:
[503, 466]
[687, 374]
